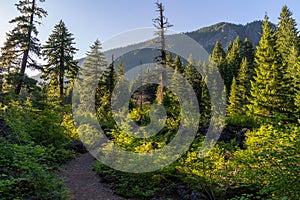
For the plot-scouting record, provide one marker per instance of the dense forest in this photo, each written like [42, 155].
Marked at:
[256, 157]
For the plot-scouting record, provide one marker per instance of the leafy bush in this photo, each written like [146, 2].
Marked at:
[35, 145]
[271, 162]
[241, 121]
[25, 174]
[141, 186]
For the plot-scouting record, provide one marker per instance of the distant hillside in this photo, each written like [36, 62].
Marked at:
[226, 32]
[207, 37]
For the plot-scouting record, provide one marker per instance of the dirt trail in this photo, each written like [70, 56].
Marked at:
[83, 182]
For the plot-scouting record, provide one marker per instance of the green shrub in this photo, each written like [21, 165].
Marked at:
[141, 186]
[24, 173]
[35, 145]
[271, 161]
[241, 121]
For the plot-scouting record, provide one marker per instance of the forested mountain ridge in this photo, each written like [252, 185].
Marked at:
[225, 32]
[222, 32]
[207, 37]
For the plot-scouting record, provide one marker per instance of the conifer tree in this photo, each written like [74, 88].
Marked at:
[286, 34]
[110, 77]
[9, 67]
[170, 60]
[288, 45]
[59, 51]
[193, 77]
[22, 42]
[229, 47]
[267, 89]
[244, 79]
[1, 79]
[240, 91]
[92, 68]
[205, 103]
[218, 59]
[10, 62]
[248, 51]
[294, 75]
[121, 69]
[123, 83]
[233, 107]
[170, 99]
[178, 71]
[233, 59]
[106, 84]
[178, 65]
[104, 92]
[218, 54]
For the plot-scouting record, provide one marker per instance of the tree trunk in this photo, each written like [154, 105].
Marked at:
[26, 53]
[61, 86]
[162, 56]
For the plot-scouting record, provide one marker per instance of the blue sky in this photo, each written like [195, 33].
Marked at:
[92, 19]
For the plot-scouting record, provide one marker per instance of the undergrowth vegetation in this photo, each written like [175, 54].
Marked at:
[33, 144]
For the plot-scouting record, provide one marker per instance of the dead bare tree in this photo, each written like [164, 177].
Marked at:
[162, 24]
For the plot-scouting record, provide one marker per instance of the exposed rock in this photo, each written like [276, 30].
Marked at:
[4, 129]
[159, 198]
[241, 137]
[108, 179]
[183, 191]
[78, 146]
[237, 133]
[195, 195]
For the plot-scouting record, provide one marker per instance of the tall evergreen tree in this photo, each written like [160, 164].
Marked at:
[233, 59]
[22, 41]
[218, 54]
[92, 68]
[104, 92]
[9, 60]
[59, 51]
[248, 51]
[286, 34]
[178, 72]
[233, 107]
[288, 45]
[110, 76]
[170, 60]
[9, 67]
[229, 47]
[240, 91]
[123, 83]
[297, 95]
[121, 69]
[107, 82]
[294, 75]
[267, 89]
[193, 77]
[218, 58]
[205, 103]
[178, 65]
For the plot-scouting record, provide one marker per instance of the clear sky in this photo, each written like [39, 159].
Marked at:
[102, 19]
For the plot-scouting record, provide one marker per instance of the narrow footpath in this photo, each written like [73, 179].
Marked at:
[83, 182]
